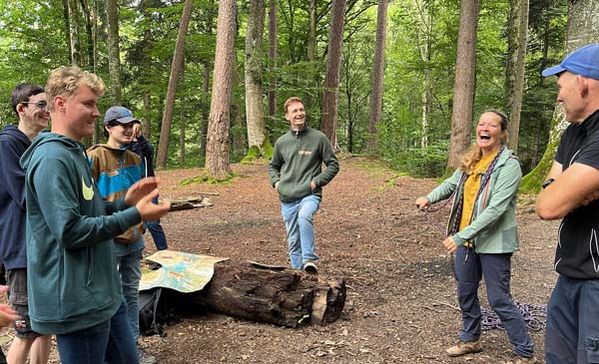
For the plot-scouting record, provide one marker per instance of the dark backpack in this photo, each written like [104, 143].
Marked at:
[154, 311]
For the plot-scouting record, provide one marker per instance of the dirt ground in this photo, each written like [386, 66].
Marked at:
[401, 304]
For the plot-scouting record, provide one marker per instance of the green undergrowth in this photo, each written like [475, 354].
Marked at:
[204, 177]
[257, 153]
[379, 168]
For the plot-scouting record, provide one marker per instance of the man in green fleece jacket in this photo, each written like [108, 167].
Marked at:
[74, 288]
[296, 173]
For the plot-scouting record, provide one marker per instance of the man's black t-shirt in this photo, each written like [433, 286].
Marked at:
[577, 253]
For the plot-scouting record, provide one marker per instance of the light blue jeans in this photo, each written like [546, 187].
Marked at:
[298, 216]
[129, 265]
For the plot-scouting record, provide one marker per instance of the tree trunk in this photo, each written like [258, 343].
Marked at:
[237, 140]
[205, 107]
[312, 33]
[114, 60]
[583, 28]
[378, 73]
[217, 146]
[74, 32]
[90, 35]
[272, 58]
[169, 102]
[514, 88]
[95, 15]
[330, 100]
[425, 11]
[182, 125]
[465, 72]
[147, 125]
[256, 130]
[274, 295]
[67, 27]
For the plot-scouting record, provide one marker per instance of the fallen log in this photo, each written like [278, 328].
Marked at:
[272, 294]
[190, 203]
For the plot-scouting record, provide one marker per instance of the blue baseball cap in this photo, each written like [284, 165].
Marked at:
[119, 114]
[583, 61]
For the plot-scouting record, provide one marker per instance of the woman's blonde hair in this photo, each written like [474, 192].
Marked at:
[64, 81]
[474, 153]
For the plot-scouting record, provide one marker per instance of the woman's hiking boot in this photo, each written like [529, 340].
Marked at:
[465, 347]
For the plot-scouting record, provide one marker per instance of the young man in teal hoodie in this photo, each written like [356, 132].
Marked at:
[74, 287]
[296, 173]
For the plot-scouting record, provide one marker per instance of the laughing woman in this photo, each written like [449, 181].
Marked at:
[483, 235]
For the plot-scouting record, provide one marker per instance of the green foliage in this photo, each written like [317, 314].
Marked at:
[255, 153]
[33, 41]
[206, 178]
[422, 162]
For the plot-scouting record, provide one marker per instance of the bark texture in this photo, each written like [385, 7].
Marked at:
[378, 71]
[272, 57]
[330, 99]
[465, 73]
[275, 295]
[256, 130]
[169, 102]
[217, 143]
[114, 59]
[514, 88]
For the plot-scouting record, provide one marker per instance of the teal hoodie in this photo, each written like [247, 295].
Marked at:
[297, 160]
[73, 281]
[493, 228]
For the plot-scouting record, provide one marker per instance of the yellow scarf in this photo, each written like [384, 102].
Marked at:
[472, 185]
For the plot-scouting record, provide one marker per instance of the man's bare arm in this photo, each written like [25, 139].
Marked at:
[574, 187]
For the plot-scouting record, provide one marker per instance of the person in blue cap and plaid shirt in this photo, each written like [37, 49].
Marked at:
[115, 169]
[571, 193]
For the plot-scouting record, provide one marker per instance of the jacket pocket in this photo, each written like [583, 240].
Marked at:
[592, 349]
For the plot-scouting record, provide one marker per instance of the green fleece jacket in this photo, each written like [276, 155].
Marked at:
[493, 227]
[297, 160]
[73, 281]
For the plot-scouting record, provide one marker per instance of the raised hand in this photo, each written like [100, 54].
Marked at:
[136, 131]
[140, 189]
[150, 211]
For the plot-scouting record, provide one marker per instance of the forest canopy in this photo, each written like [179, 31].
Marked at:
[420, 47]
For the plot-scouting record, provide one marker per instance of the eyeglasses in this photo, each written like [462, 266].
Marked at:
[42, 104]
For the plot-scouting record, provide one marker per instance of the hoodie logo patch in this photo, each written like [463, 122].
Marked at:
[88, 191]
[304, 152]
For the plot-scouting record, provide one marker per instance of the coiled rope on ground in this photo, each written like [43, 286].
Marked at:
[534, 316]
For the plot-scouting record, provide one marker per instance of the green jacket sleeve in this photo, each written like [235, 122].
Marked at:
[330, 161]
[70, 226]
[445, 189]
[505, 189]
[274, 167]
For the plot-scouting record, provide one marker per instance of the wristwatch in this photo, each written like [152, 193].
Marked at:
[547, 182]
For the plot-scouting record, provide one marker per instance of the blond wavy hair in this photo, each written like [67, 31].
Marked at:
[64, 81]
[291, 100]
[474, 153]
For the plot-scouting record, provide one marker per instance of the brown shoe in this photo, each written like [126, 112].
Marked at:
[465, 347]
[523, 360]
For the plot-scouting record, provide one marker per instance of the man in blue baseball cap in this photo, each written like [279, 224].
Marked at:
[571, 193]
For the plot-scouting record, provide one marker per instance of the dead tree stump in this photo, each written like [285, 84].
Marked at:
[273, 294]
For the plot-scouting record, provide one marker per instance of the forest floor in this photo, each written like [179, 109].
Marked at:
[401, 300]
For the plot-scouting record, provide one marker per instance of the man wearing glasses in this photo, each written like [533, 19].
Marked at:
[29, 103]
